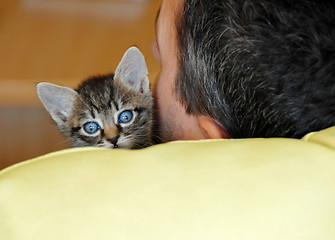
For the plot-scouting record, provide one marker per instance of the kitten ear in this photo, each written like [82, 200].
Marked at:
[57, 100]
[133, 71]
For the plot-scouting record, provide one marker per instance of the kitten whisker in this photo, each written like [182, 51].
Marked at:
[65, 141]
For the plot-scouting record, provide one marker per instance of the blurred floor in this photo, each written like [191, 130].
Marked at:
[60, 41]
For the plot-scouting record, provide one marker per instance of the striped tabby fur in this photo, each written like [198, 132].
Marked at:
[106, 111]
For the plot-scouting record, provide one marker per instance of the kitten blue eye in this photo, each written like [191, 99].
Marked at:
[125, 116]
[91, 127]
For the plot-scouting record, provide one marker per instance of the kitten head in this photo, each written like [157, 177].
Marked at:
[106, 111]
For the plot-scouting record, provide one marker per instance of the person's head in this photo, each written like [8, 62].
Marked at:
[245, 68]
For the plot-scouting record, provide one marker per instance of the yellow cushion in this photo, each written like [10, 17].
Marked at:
[188, 190]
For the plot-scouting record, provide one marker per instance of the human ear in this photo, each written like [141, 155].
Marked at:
[212, 128]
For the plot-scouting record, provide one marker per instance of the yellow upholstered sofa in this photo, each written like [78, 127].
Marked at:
[216, 189]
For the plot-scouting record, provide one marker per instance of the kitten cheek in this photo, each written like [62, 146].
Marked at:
[106, 145]
[124, 142]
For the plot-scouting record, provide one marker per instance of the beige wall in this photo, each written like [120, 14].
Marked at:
[60, 41]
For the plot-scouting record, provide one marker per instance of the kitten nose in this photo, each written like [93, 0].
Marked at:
[113, 140]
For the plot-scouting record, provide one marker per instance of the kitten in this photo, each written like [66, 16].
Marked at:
[112, 111]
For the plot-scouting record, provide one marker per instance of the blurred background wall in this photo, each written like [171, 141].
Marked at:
[63, 42]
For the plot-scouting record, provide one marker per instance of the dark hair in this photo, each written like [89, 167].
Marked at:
[261, 68]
